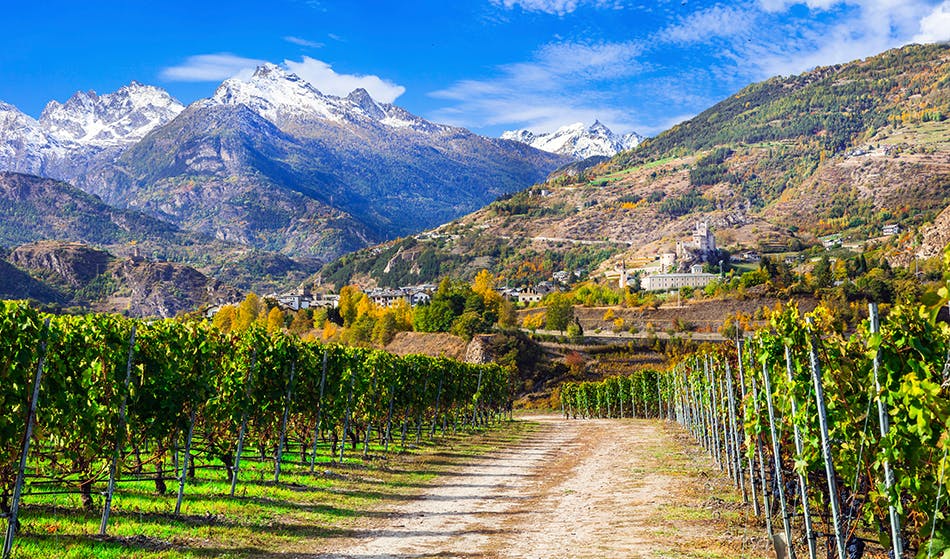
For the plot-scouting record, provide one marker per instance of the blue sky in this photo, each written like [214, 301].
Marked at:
[489, 65]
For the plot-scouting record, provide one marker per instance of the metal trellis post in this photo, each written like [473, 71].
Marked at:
[12, 522]
[119, 438]
[826, 445]
[896, 543]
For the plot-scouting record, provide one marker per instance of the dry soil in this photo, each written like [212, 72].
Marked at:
[571, 488]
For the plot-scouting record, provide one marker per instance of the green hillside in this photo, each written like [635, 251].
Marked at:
[840, 150]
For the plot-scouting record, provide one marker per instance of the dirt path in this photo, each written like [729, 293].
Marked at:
[597, 488]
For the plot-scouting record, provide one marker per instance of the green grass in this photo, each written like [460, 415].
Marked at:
[304, 511]
[618, 175]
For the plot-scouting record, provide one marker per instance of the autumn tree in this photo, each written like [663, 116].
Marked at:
[248, 312]
[302, 322]
[224, 319]
[350, 298]
[275, 320]
[533, 321]
[560, 311]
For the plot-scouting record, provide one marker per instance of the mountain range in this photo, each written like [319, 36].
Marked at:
[269, 162]
[69, 136]
[578, 140]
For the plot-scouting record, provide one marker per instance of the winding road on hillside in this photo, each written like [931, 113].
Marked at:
[578, 489]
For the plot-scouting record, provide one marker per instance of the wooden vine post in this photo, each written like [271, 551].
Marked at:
[283, 423]
[750, 454]
[777, 457]
[184, 465]
[766, 501]
[737, 446]
[243, 431]
[346, 417]
[316, 430]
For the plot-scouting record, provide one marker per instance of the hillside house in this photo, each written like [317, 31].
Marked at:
[530, 295]
[670, 282]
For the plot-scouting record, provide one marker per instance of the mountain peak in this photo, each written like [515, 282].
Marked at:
[275, 94]
[362, 99]
[122, 117]
[268, 70]
[273, 73]
[577, 140]
[360, 94]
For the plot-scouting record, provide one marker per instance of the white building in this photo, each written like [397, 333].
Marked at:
[668, 282]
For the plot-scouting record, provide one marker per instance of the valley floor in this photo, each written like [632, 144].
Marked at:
[570, 488]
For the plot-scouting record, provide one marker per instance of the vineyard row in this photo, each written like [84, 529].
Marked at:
[85, 398]
[840, 442]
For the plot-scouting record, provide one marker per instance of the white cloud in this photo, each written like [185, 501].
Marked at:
[935, 27]
[219, 67]
[704, 25]
[858, 29]
[782, 5]
[554, 7]
[211, 68]
[562, 84]
[302, 42]
[766, 37]
[322, 76]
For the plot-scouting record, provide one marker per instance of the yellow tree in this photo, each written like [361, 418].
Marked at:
[484, 286]
[366, 307]
[350, 297]
[533, 321]
[402, 312]
[302, 323]
[275, 320]
[248, 312]
[224, 319]
[484, 283]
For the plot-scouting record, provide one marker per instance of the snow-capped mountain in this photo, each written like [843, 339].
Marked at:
[270, 162]
[123, 117]
[68, 137]
[577, 140]
[284, 98]
[24, 145]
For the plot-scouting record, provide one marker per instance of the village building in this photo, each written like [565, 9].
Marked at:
[669, 282]
[890, 229]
